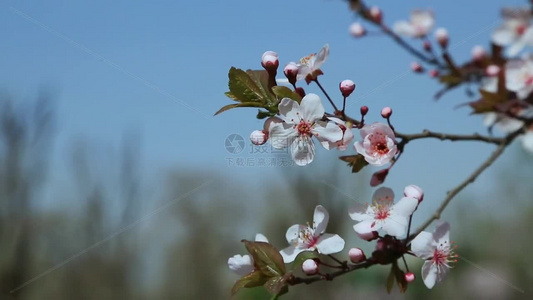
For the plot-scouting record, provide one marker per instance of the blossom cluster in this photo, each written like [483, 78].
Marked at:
[296, 120]
[373, 219]
[298, 124]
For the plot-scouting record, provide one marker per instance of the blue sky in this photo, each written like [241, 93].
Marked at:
[161, 67]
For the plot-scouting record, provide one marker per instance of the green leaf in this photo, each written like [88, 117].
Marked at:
[244, 104]
[303, 256]
[390, 281]
[400, 277]
[283, 291]
[251, 280]
[488, 102]
[260, 78]
[285, 92]
[357, 162]
[242, 87]
[451, 79]
[264, 114]
[231, 96]
[266, 258]
[275, 284]
[251, 89]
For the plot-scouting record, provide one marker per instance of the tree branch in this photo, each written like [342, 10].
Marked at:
[449, 137]
[330, 276]
[502, 145]
[470, 179]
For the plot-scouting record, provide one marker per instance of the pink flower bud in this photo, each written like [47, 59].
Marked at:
[409, 277]
[414, 191]
[259, 137]
[364, 110]
[433, 73]
[379, 177]
[368, 236]
[270, 61]
[442, 37]
[346, 86]
[357, 30]
[492, 70]
[291, 71]
[376, 14]
[416, 67]
[356, 255]
[478, 53]
[386, 112]
[427, 46]
[310, 267]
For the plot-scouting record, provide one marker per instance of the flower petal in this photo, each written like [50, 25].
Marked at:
[241, 264]
[289, 111]
[405, 207]
[330, 243]
[337, 120]
[327, 132]
[320, 220]
[383, 196]
[423, 20]
[490, 118]
[367, 226]
[503, 36]
[311, 108]
[429, 274]
[303, 71]
[442, 233]
[516, 47]
[527, 141]
[290, 253]
[404, 28]
[321, 57]
[282, 135]
[303, 150]
[358, 212]
[423, 245]
[292, 233]
[395, 225]
[259, 237]
[359, 148]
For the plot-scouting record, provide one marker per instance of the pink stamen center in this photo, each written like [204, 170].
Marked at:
[444, 255]
[303, 128]
[306, 59]
[378, 142]
[521, 29]
[381, 212]
[307, 237]
[381, 148]
[529, 80]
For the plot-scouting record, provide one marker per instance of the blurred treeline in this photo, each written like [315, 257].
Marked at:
[115, 234]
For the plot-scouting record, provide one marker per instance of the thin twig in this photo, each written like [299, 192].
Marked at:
[470, 179]
[330, 276]
[326, 94]
[343, 264]
[449, 137]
